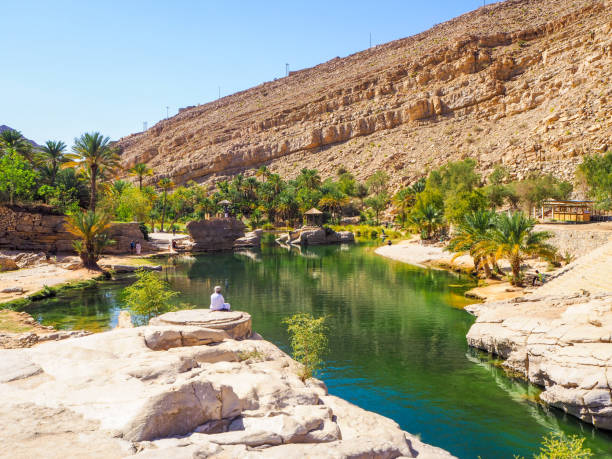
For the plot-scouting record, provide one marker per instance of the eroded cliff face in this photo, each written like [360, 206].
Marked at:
[525, 83]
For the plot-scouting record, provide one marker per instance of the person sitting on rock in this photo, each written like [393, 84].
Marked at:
[217, 302]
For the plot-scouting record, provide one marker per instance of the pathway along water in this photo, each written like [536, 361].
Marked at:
[397, 339]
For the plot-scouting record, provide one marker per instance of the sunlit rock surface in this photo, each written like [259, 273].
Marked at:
[113, 395]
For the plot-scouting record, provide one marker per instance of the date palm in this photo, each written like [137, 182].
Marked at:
[471, 237]
[91, 229]
[309, 178]
[514, 239]
[165, 184]
[141, 170]
[93, 155]
[12, 141]
[428, 218]
[53, 151]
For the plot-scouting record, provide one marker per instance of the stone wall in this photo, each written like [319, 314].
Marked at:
[577, 241]
[39, 228]
[215, 234]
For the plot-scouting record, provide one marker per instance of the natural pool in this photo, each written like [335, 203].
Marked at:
[397, 339]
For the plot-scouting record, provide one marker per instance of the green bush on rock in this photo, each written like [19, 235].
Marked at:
[308, 341]
[149, 296]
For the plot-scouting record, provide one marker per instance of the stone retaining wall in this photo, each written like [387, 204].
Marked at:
[577, 242]
[40, 229]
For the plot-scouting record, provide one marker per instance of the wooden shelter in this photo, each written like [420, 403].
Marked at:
[314, 217]
[567, 211]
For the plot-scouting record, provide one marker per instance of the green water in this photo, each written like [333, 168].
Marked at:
[397, 338]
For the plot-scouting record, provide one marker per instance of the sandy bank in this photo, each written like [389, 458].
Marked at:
[412, 251]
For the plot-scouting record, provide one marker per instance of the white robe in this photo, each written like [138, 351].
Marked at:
[217, 302]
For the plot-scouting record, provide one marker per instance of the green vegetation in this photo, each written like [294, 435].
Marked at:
[149, 296]
[558, 446]
[308, 341]
[488, 237]
[91, 227]
[596, 173]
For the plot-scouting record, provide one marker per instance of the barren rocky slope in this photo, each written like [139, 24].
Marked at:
[181, 391]
[522, 82]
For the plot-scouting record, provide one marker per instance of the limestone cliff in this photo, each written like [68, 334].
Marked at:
[521, 82]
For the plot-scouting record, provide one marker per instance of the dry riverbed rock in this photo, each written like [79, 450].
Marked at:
[561, 343]
[224, 399]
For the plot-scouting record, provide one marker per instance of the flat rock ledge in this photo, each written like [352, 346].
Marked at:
[236, 324]
[562, 343]
[112, 395]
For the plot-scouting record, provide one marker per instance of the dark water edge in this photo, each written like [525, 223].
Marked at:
[397, 340]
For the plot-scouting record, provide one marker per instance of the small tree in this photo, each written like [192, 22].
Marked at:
[378, 203]
[91, 228]
[16, 175]
[559, 446]
[308, 341]
[149, 296]
[141, 170]
[165, 184]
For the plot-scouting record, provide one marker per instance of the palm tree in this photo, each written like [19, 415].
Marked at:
[141, 170]
[91, 227]
[12, 141]
[54, 151]
[428, 218]
[309, 178]
[513, 238]
[165, 184]
[404, 200]
[264, 172]
[333, 202]
[471, 237]
[93, 155]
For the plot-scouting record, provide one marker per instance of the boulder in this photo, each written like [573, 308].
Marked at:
[251, 239]
[560, 343]
[215, 234]
[130, 397]
[7, 264]
[236, 324]
[313, 235]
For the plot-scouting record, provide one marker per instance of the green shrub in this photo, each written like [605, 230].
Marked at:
[267, 226]
[557, 445]
[268, 239]
[144, 230]
[148, 296]
[308, 341]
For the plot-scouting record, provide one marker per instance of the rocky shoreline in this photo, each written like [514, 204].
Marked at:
[561, 343]
[183, 388]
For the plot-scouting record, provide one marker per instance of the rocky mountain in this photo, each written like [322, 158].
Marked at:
[525, 83]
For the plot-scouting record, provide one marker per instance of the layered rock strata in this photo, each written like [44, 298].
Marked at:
[525, 83]
[563, 344]
[41, 229]
[118, 393]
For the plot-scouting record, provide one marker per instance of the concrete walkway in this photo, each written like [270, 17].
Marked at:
[591, 272]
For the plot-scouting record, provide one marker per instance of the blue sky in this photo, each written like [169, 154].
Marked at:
[70, 67]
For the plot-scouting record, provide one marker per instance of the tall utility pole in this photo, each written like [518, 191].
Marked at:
[167, 108]
[144, 126]
[286, 69]
[370, 39]
[219, 88]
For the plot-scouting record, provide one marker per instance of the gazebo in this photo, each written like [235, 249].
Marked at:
[225, 203]
[567, 211]
[314, 217]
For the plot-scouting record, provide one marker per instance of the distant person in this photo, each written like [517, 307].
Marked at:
[132, 246]
[538, 277]
[138, 248]
[217, 302]
[389, 242]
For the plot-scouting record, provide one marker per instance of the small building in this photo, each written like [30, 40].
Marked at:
[314, 217]
[567, 211]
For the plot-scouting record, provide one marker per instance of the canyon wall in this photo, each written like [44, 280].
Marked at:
[525, 83]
